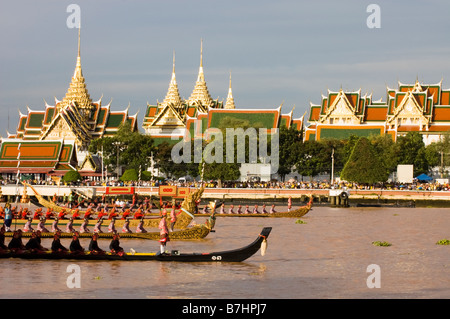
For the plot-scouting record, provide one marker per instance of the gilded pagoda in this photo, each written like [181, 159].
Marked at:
[167, 121]
[64, 130]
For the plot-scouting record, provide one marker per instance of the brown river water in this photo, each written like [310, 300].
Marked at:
[326, 257]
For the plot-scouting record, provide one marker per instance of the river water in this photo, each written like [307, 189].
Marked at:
[327, 256]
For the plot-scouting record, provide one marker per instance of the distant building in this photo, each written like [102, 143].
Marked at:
[56, 139]
[168, 121]
[423, 108]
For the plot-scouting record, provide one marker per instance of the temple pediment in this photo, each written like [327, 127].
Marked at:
[341, 111]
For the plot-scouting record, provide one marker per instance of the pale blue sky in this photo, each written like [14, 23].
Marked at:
[291, 51]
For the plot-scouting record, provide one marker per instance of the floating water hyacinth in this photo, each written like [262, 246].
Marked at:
[381, 243]
[443, 242]
[299, 221]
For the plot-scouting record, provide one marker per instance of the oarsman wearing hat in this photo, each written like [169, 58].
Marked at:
[83, 227]
[57, 247]
[16, 245]
[75, 246]
[114, 246]
[34, 244]
[93, 245]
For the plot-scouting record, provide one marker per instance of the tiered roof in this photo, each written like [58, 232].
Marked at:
[76, 117]
[410, 107]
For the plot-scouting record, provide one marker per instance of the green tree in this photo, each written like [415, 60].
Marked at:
[364, 166]
[129, 175]
[71, 177]
[410, 149]
[311, 158]
[130, 149]
[289, 137]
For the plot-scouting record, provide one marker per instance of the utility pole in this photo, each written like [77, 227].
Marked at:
[332, 167]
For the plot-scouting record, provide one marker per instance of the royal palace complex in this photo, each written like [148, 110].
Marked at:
[52, 141]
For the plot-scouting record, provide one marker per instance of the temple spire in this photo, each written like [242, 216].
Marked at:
[200, 92]
[173, 95]
[77, 92]
[230, 100]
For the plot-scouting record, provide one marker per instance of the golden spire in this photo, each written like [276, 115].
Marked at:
[230, 100]
[200, 92]
[173, 95]
[77, 91]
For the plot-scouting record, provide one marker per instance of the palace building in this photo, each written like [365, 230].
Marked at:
[423, 108]
[168, 121]
[55, 140]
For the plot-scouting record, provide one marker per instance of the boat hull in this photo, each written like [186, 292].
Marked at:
[236, 255]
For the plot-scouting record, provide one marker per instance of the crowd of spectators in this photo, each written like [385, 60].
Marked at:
[416, 185]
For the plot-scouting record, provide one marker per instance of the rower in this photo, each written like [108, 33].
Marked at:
[16, 245]
[126, 213]
[93, 245]
[69, 226]
[114, 246]
[57, 247]
[41, 225]
[34, 244]
[247, 211]
[3, 247]
[140, 226]
[255, 210]
[88, 213]
[75, 246]
[264, 211]
[55, 227]
[98, 226]
[62, 214]
[24, 213]
[231, 210]
[27, 227]
[49, 213]
[126, 226]
[272, 209]
[37, 213]
[239, 211]
[83, 227]
[111, 226]
[76, 214]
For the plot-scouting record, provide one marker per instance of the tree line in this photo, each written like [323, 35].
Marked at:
[356, 159]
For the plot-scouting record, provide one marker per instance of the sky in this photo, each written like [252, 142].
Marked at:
[278, 52]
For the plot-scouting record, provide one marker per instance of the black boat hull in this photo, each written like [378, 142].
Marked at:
[235, 255]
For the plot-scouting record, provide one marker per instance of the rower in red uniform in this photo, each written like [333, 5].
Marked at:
[102, 214]
[62, 214]
[113, 213]
[49, 213]
[126, 213]
[138, 214]
[24, 214]
[37, 213]
[76, 214]
[88, 213]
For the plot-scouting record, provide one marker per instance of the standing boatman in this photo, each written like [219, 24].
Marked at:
[163, 234]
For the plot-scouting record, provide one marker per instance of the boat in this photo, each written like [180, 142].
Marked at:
[235, 255]
[184, 218]
[191, 233]
[297, 213]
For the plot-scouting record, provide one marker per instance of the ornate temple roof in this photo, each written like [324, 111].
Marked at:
[200, 92]
[76, 117]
